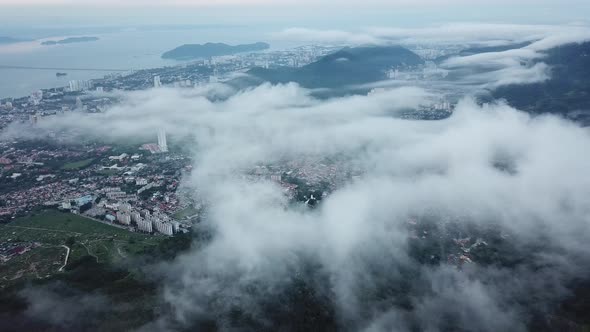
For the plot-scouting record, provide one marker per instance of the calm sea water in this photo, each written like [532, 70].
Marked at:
[131, 49]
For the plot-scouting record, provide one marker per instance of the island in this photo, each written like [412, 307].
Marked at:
[70, 40]
[195, 51]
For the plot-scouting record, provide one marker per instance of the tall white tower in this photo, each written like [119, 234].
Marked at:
[162, 140]
[74, 85]
[157, 82]
[79, 103]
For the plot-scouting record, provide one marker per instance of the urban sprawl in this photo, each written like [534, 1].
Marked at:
[138, 187]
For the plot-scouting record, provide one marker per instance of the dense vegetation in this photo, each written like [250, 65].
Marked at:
[70, 40]
[103, 295]
[195, 51]
[349, 66]
[566, 93]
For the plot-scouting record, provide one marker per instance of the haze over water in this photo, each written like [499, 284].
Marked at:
[135, 36]
[126, 50]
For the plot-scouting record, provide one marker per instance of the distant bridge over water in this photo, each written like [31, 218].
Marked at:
[66, 68]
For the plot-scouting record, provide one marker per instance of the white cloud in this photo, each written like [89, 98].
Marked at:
[487, 33]
[327, 36]
[355, 245]
[484, 70]
[450, 33]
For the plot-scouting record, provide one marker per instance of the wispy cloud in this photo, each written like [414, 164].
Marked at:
[452, 33]
[353, 254]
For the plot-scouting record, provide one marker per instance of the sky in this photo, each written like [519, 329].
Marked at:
[341, 14]
[394, 3]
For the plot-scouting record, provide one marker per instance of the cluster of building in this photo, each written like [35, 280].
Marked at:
[443, 238]
[131, 189]
[144, 220]
[304, 175]
[427, 71]
[9, 250]
[435, 51]
[30, 178]
[51, 102]
[295, 57]
[80, 85]
[87, 96]
[21, 201]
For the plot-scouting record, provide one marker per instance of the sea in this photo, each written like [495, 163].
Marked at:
[124, 50]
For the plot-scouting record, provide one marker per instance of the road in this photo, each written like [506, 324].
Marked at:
[89, 252]
[67, 256]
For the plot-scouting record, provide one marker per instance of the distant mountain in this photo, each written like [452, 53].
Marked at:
[566, 93]
[10, 40]
[195, 51]
[349, 66]
[483, 49]
[71, 40]
[488, 49]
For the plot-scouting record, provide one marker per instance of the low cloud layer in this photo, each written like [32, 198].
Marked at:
[490, 34]
[359, 261]
[488, 70]
[62, 307]
[355, 246]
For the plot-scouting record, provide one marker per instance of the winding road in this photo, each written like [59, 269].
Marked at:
[67, 256]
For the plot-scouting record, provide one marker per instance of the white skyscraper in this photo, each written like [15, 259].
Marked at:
[36, 97]
[157, 82]
[79, 104]
[33, 119]
[76, 85]
[162, 140]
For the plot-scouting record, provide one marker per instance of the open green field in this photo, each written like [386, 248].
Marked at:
[38, 263]
[187, 212]
[89, 237]
[77, 164]
[67, 222]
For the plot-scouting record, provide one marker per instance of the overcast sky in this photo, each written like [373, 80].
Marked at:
[389, 3]
[338, 13]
